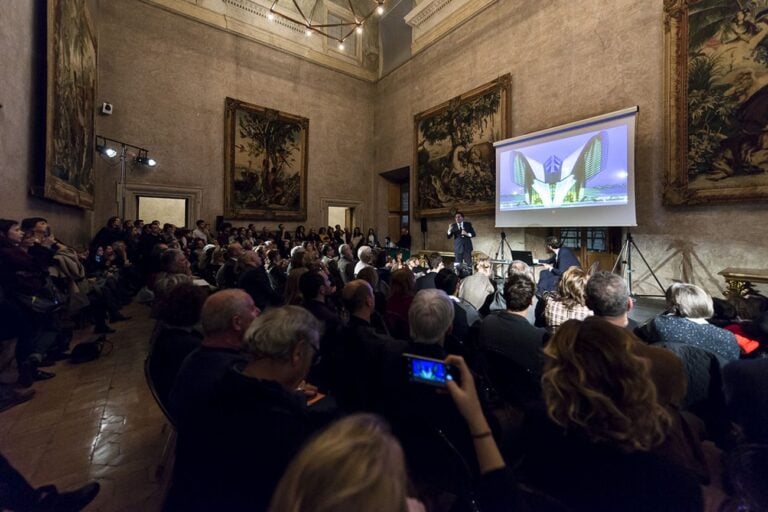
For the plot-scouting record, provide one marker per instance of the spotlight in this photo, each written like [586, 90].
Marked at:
[341, 45]
[359, 29]
[270, 16]
[101, 147]
[106, 151]
[380, 9]
[144, 160]
[308, 32]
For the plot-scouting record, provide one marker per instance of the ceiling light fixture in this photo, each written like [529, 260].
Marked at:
[346, 28]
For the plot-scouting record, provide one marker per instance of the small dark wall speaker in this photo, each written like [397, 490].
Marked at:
[423, 224]
[219, 222]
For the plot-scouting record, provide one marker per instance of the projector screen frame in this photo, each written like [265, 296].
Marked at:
[624, 215]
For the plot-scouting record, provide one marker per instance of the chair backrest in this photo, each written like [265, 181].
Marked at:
[153, 389]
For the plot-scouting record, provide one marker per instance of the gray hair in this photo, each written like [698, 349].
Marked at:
[365, 254]
[519, 267]
[607, 294]
[690, 301]
[276, 333]
[430, 316]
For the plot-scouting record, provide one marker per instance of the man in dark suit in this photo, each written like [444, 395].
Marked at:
[561, 260]
[462, 233]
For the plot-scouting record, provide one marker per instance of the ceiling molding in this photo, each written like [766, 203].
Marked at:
[248, 19]
[433, 19]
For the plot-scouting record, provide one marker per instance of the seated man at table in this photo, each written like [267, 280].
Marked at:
[561, 260]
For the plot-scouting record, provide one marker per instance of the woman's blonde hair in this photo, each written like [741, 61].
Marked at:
[571, 288]
[354, 465]
[593, 383]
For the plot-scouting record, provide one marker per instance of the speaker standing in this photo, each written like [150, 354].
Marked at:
[462, 233]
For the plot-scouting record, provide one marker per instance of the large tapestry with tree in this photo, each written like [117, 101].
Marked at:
[71, 95]
[717, 99]
[454, 161]
[265, 159]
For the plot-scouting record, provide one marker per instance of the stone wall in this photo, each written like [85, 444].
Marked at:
[168, 76]
[22, 95]
[569, 61]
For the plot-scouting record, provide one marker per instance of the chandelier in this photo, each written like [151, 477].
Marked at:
[347, 28]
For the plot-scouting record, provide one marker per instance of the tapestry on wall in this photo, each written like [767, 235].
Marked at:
[454, 159]
[717, 101]
[265, 159]
[71, 90]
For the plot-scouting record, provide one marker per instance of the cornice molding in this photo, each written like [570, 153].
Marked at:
[434, 19]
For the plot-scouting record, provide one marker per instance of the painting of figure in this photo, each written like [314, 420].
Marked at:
[70, 103]
[266, 163]
[718, 82]
[454, 161]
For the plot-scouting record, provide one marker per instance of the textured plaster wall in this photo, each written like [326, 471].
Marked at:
[22, 95]
[572, 60]
[168, 76]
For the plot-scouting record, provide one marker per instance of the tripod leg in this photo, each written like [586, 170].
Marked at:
[661, 287]
[620, 257]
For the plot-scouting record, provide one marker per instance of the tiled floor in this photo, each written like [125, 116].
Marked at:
[94, 421]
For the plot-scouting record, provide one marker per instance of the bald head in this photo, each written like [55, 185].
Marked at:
[356, 295]
[227, 311]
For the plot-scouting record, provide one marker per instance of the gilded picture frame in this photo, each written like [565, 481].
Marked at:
[70, 101]
[716, 86]
[265, 162]
[454, 162]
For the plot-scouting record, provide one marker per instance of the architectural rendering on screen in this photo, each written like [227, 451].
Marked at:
[588, 169]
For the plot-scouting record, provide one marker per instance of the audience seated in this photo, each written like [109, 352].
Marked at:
[427, 281]
[368, 470]
[476, 288]
[252, 277]
[234, 455]
[359, 357]
[225, 317]
[512, 347]
[401, 292]
[600, 452]
[178, 315]
[569, 302]
[688, 307]
[465, 314]
[365, 257]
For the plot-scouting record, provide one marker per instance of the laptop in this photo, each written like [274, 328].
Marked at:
[526, 256]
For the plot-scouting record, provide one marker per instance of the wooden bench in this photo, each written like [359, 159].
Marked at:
[739, 281]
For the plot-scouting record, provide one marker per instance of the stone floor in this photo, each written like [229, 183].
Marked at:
[94, 421]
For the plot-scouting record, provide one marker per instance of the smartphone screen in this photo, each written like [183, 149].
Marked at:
[427, 371]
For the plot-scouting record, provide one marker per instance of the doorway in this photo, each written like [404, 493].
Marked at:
[166, 210]
[341, 215]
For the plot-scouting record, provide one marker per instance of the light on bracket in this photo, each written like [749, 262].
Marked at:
[104, 149]
[143, 159]
[105, 146]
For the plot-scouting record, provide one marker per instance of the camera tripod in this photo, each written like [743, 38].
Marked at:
[626, 252]
[502, 243]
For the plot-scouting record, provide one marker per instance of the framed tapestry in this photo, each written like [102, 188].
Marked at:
[71, 90]
[265, 162]
[716, 92]
[454, 159]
